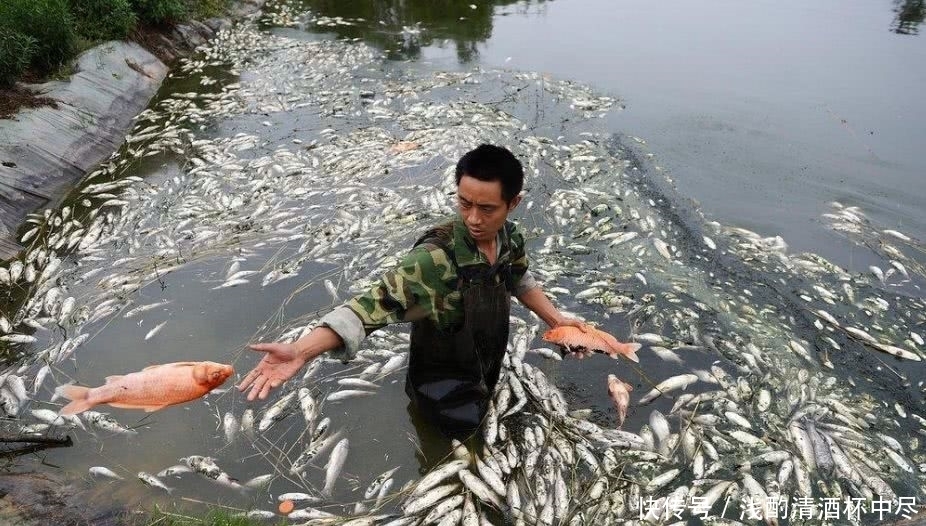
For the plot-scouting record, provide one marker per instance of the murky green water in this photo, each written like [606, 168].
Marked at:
[274, 155]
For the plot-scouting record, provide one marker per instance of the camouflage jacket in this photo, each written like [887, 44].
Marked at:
[424, 285]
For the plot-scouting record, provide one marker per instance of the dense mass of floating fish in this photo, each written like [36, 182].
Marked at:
[772, 417]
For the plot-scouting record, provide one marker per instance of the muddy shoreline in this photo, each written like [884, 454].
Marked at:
[44, 151]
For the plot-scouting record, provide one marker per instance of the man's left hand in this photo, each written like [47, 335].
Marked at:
[573, 322]
[582, 326]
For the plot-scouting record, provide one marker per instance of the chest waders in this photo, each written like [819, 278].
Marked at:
[452, 374]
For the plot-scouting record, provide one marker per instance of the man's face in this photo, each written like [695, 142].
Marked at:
[482, 207]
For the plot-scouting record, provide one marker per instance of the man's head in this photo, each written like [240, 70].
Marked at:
[489, 181]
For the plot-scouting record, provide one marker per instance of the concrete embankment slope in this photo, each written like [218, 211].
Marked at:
[45, 151]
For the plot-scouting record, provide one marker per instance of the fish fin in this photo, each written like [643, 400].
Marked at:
[174, 364]
[78, 396]
[114, 378]
[630, 351]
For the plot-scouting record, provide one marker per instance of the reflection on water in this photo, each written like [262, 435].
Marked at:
[403, 27]
[910, 14]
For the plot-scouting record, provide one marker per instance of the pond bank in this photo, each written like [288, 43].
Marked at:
[44, 151]
[31, 498]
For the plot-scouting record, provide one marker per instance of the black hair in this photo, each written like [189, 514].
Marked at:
[493, 163]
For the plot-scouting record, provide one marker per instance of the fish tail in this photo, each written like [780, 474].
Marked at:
[78, 396]
[630, 351]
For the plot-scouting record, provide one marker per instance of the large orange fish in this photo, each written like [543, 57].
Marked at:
[591, 339]
[152, 388]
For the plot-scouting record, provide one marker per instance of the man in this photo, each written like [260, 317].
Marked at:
[455, 286]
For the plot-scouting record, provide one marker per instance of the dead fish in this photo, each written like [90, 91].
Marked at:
[357, 382]
[331, 290]
[40, 378]
[335, 464]
[592, 339]
[373, 489]
[299, 497]
[231, 283]
[155, 330]
[207, 467]
[397, 148]
[276, 412]
[104, 422]
[230, 427]
[347, 393]
[100, 471]
[680, 381]
[153, 481]
[619, 392]
[247, 423]
[392, 365]
[174, 470]
[151, 389]
[260, 481]
[145, 308]
[666, 354]
[18, 338]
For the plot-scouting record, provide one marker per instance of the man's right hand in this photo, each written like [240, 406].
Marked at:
[281, 363]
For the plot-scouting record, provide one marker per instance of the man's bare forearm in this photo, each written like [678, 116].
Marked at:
[318, 341]
[538, 302]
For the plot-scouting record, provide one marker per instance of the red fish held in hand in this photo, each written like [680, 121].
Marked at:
[152, 388]
[620, 395]
[592, 339]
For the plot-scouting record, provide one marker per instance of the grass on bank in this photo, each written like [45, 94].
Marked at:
[38, 36]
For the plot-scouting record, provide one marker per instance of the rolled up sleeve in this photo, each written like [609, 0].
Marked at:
[526, 283]
[348, 326]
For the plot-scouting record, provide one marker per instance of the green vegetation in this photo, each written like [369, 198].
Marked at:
[203, 9]
[40, 35]
[215, 517]
[103, 19]
[16, 50]
[48, 22]
[157, 12]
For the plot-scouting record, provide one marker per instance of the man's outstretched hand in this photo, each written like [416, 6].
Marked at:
[281, 363]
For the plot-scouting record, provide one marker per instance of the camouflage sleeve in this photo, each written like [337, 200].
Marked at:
[343, 321]
[417, 289]
[526, 283]
[523, 279]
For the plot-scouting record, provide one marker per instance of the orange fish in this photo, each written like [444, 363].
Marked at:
[152, 388]
[404, 146]
[593, 340]
[620, 395]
